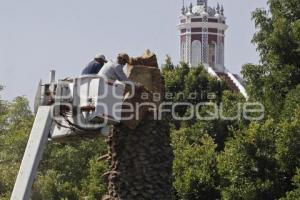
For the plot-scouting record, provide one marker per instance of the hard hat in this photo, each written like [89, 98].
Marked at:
[101, 56]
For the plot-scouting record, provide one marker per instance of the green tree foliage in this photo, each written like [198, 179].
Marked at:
[93, 186]
[254, 76]
[194, 166]
[191, 85]
[16, 122]
[291, 104]
[198, 142]
[288, 145]
[68, 171]
[260, 162]
[275, 156]
[278, 41]
[295, 193]
[248, 166]
[174, 79]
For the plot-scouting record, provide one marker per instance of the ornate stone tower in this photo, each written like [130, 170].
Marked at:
[202, 35]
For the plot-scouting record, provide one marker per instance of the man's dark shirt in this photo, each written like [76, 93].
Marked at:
[92, 68]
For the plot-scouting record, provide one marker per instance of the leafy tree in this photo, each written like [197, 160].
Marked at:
[291, 104]
[259, 162]
[288, 145]
[254, 76]
[191, 85]
[67, 171]
[196, 142]
[295, 193]
[93, 186]
[194, 166]
[278, 42]
[174, 79]
[248, 167]
[16, 125]
[198, 81]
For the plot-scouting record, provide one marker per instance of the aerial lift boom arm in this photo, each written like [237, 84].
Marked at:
[33, 154]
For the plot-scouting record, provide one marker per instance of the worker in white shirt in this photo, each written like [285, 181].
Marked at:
[114, 71]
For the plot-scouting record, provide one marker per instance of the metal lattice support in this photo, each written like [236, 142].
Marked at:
[205, 45]
[188, 48]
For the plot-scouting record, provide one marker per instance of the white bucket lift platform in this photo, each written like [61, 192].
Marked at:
[82, 107]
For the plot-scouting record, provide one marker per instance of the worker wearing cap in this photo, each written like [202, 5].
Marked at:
[94, 66]
[114, 71]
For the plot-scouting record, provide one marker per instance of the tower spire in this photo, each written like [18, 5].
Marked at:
[183, 8]
[218, 8]
[191, 8]
[222, 10]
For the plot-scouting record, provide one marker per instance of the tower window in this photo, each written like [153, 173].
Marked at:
[213, 20]
[196, 53]
[196, 29]
[212, 30]
[212, 55]
[196, 20]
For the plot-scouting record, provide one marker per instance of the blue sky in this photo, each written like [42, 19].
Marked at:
[36, 36]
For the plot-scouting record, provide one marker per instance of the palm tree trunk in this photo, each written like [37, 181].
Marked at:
[140, 162]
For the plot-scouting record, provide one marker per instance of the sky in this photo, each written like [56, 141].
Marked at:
[64, 35]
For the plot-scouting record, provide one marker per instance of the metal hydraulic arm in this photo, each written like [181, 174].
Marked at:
[33, 154]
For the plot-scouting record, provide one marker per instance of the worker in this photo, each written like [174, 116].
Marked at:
[114, 71]
[94, 66]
